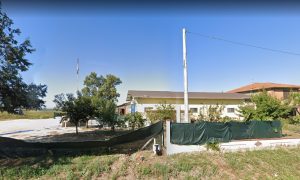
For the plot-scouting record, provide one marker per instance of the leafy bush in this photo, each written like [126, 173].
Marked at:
[211, 113]
[213, 145]
[135, 120]
[294, 120]
[163, 112]
[265, 107]
[227, 119]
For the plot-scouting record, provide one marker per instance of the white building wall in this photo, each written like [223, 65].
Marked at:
[200, 107]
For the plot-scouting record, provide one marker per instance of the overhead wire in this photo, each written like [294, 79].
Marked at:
[244, 44]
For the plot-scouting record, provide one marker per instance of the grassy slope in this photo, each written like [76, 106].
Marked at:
[263, 164]
[28, 115]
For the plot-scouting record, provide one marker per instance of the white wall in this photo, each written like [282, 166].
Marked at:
[141, 108]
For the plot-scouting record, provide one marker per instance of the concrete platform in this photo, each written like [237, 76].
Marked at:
[243, 145]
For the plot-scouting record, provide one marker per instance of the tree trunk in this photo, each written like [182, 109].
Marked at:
[113, 128]
[76, 128]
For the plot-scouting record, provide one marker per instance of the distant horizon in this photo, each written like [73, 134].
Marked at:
[144, 48]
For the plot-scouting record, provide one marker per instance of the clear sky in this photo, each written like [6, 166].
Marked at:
[144, 48]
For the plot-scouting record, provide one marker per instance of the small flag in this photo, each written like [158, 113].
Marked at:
[77, 68]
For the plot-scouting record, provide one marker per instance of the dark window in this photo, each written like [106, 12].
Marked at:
[122, 112]
[230, 110]
[194, 110]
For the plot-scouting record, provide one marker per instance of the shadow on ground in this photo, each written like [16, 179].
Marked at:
[91, 135]
[11, 148]
[86, 143]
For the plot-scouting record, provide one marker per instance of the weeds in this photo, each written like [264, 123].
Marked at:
[70, 168]
[263, 164]
[28, 115]
[183, 166]
[213, 145]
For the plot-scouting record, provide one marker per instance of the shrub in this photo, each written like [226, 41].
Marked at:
[211, 113]
[135, 120]
[163, 112]
[213, 145]
[265, 107]
[294, 120]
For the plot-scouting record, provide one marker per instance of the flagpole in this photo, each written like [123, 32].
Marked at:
[77, 72]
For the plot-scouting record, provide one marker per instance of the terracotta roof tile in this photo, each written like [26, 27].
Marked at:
[261, 86]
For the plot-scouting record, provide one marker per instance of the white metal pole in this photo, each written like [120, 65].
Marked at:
[185, 76]
[77, 72]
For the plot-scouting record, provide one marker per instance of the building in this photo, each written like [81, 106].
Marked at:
[124, 108]
[280, 91]
[142, 101]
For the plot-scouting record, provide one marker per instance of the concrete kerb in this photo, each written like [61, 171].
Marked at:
[232, 146]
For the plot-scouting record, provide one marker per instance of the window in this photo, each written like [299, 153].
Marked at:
[122, 112]
[230, 110]
[194, 110]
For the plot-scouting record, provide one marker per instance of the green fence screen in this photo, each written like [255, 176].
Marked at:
[10, 147]
[203, 131]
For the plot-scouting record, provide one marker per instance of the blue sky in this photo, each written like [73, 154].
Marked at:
[145, 49]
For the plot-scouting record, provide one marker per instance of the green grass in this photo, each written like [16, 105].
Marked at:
[43, 114]
[282, 163]
[83, 167]
[263, 164]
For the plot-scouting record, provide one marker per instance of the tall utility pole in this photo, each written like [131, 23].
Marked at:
[185, 79]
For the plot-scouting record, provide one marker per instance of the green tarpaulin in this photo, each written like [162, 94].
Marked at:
[203, 131]
[10, 147]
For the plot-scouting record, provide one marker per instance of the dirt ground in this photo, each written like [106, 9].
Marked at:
[85, 134]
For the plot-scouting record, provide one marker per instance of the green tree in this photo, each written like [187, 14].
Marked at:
[35, 92]
[163, 111]
[78, 109]
[103, 92]
[105, 111]
[101, 87]
[135, 120]
[14, 93]
[265, 107]
[92, 84]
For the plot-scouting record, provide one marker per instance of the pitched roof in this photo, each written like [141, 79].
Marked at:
[261, 86]
[178, 95]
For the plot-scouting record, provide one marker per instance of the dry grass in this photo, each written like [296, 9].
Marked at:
[86, 167]
[290, 130]
[45, 114]
[262, 164]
